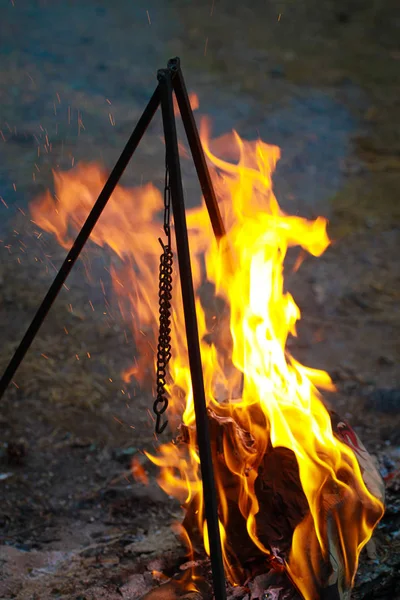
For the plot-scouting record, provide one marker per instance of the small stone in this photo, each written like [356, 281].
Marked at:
[135, 587]
[385, 361]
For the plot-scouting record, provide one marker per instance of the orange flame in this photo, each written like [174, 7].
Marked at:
[251, 380]
[138, 472]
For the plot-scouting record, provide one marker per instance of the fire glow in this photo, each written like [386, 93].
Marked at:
[251, 380]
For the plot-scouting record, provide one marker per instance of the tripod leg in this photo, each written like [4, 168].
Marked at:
[192, 334]
[81, 239]
[195, 146]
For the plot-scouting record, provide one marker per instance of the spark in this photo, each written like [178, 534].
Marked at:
[37, 167]
[66, 330]
[3, 201]
[112, 121]
[88, 354]
[17, 386]
[31, 78]
[152, 348]
[150, 415]
[212, 8]
[21, 211]
[109, 379]
[77, 356]
[148, 17]
[118, 421]
[15, 187]
[44, 356]
[109, 101]
[51, 263]
[80, 123]
[279, 16]
[58, 98]
[70, 307]
[91, 305]
[2, 135]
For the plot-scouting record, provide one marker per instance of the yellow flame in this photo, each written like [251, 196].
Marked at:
[250, 377]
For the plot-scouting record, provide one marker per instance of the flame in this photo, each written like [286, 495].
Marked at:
[138, 472]
[193, 101]
[252, 382]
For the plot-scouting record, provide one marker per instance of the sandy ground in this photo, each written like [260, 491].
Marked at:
[321, 80]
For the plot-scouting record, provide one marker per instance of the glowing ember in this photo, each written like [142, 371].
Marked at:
[262, 399]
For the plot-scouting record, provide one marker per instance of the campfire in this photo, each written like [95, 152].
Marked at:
[298, 494]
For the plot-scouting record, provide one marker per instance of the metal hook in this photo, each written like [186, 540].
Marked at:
[160, 428]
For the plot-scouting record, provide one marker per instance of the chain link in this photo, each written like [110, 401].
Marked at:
[164, 296]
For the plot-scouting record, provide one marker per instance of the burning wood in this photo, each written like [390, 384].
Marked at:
[282, 508]
[299, 496]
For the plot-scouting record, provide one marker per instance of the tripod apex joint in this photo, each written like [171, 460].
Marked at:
[169, 80]
[174, 64]
[163, 74]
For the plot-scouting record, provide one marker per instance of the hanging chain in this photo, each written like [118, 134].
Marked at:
[164, 295]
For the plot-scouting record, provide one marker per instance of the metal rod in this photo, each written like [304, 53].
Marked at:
[192, 334]
[81, 239]
[196, 148]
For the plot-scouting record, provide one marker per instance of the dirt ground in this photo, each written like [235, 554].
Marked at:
[320, 79]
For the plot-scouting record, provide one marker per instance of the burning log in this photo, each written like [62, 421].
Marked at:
[283, 509]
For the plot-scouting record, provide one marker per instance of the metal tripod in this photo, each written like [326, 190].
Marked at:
[169, 80]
